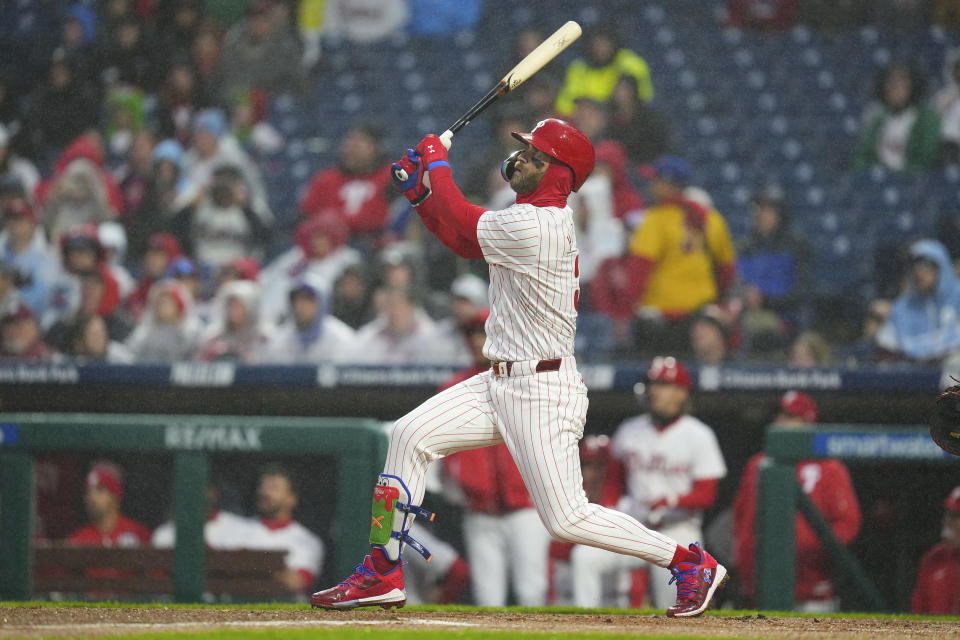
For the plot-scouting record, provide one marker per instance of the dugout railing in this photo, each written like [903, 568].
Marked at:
[358, 445]
[780, 497]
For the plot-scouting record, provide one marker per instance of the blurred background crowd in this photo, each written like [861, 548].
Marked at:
[777, 180]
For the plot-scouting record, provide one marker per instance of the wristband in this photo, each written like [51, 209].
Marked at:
[437, 163]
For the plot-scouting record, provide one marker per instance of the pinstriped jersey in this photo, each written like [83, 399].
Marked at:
[534, 282]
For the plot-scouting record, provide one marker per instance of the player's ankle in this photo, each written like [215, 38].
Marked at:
[381, 562]
[682, 554]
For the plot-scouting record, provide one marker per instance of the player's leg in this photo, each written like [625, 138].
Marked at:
[455, 419]
[662, 592]
[542, 417]
[486, 546]
[529, 550]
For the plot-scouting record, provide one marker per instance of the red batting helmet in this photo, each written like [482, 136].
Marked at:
[595, 447]
[564, 142]
[669, 370]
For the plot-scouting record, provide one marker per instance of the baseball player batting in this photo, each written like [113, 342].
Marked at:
[532, 398]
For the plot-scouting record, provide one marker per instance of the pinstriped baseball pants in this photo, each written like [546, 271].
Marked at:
[540, 417]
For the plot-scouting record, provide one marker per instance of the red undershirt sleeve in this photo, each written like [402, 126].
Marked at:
[450, 216]
[701, 495]
[638, 273]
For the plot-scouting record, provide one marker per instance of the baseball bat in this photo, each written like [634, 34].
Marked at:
[535, 60]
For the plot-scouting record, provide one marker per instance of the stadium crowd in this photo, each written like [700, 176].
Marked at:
[137, 224]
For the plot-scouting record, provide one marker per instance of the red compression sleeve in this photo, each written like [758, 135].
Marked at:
[455, 582]
[725, 275]
[701, 495]
[447, 207]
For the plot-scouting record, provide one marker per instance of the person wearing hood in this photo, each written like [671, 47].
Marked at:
[901, 131]
[236, 333]
[776, 273]
[309, 335]
[924, 324]
[320, 253]
[169, 330]
[213, 147]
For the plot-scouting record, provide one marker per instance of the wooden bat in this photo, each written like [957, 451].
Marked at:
[535, 60]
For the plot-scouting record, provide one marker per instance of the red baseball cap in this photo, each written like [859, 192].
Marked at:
[952, 501]
[669, 370]
[106, 475]
[797, 403]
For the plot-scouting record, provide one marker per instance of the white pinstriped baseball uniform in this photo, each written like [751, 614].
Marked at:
[533, 260]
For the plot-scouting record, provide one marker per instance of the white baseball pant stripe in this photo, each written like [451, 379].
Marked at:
[540, 417]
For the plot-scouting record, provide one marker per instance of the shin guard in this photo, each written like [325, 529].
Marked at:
[392, 517]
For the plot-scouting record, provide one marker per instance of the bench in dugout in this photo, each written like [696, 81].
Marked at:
[139, 571]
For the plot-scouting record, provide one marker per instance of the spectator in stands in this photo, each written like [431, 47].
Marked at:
[80, 191]
[809, 350]
[308, 334]
[947, 104]
[440, 18]
[164, 188]
[357, 189]
[99, 295]
[78, 30]
[923, 325]
[10, 278]
[113, 239]
[274, 528]
[710, 336]
[15, 167]
[763, 15]
[900, 130]
[679, 241]
[24, 247]
[353, 297]
[236, 332]
[363, 21]
[776, 273]
[20, 337]
[127, 57]
[160, 250]
[63, 107]
[505, 545]
[181, 95]
[108, 526]
[827, 483]
[222, 530]
[596, 75]
[134, 170]
[402, 332]
[320, 253]
[86, 339]
[672, 467]
[222, 225]
[177, 24]
[937, 587]
[213, 147]
[258, 55]
[641, 128]
[169, 329]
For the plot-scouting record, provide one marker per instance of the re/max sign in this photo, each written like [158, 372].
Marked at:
[220, 438]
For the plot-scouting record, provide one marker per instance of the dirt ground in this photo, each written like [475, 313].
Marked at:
[36, 622]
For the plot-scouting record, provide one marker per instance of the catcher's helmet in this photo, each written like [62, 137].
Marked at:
[669, 370]
[564, 142]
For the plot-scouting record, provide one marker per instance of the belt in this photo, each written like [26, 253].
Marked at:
[504, 369]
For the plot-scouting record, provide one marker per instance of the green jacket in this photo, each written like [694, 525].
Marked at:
[923, 143]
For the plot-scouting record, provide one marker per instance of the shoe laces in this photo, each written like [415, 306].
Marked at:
[686, 581]
[360, 572]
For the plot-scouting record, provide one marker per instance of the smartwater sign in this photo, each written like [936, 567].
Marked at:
[917, 446]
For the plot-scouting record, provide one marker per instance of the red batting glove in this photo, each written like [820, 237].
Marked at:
[408, 178]
[433, 152]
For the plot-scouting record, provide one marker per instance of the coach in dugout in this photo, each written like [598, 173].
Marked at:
[938, 578]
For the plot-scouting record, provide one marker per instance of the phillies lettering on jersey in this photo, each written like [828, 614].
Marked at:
[534, 282]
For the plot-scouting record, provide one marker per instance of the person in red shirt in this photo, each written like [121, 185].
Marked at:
[108, 526]
[938, 578]
[827, 483]
[502, 532]
[357, 189]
